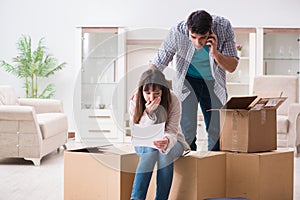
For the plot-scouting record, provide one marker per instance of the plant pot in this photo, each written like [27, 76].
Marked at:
[239, 53]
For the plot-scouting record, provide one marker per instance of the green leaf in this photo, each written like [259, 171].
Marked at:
[48, 92]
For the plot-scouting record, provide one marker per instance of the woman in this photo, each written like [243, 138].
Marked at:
[155, 103]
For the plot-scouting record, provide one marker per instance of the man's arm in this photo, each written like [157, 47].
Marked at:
[166, 51]
[228, 63]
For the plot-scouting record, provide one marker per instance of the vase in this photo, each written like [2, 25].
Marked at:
[239, 53]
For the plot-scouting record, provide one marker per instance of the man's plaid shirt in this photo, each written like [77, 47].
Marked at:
[177, 43]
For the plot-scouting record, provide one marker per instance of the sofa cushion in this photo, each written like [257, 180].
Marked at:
[282, 124]
[287, 84]
[52, 123]
[7, 95]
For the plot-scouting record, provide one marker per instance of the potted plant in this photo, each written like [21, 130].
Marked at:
[239, 48]
[32, 66]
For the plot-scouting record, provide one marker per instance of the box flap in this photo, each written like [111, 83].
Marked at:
[268, 94]
[239, 102]
[103, 149]
[268, 103]
[108, 149]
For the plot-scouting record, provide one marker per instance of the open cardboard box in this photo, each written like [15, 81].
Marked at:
[248, 124]
[99, 173]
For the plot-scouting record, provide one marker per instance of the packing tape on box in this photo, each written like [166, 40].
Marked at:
[234, 120]
[235, 115]
[263, 114]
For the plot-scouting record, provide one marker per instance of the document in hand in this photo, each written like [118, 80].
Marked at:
[145, 136]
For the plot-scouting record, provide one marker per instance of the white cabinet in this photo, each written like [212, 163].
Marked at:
[278, 51]
[102, 65]
[111, 62]
[100, 118]
[240, 81]
[141, 47]
[98, 123]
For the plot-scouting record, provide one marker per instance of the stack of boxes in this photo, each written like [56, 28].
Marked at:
[254, 168]
[248, 166]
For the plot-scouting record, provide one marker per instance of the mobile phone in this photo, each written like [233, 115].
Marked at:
[208, 41]
[210, 33]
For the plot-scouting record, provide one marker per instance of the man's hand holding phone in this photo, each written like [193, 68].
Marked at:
[212, 42]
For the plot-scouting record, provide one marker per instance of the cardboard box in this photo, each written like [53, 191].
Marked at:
[109, 174]
[99, 173]
[260, 176]
[226, 199]
[201, 175]
[197, 176]
[248, 124]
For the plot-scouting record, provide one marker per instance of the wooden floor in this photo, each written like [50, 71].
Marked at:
[21, 180]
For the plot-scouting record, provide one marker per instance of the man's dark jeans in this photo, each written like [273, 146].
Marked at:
[202, 92]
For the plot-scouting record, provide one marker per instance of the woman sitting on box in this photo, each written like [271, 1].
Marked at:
[155, 103]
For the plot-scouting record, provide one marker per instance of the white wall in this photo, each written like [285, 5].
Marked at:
[56, 21]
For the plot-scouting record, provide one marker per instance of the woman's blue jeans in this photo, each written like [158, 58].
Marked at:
[202, 92]
[165, 167]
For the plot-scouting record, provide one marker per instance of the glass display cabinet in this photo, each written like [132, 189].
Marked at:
[281, 51]
[111, 62]
[101, 115]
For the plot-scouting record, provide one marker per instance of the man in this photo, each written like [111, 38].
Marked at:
[205, 49]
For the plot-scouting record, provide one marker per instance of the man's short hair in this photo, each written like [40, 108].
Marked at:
[199, 22]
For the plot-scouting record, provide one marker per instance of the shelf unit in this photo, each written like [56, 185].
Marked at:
[278, 51]
[100, 116]
[239, 82]
[141, 47]
[112, 60]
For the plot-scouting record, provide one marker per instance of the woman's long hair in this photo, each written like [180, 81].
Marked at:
[154, 79]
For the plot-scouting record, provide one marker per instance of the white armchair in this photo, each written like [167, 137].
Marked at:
[30, 128]
[288, 118]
